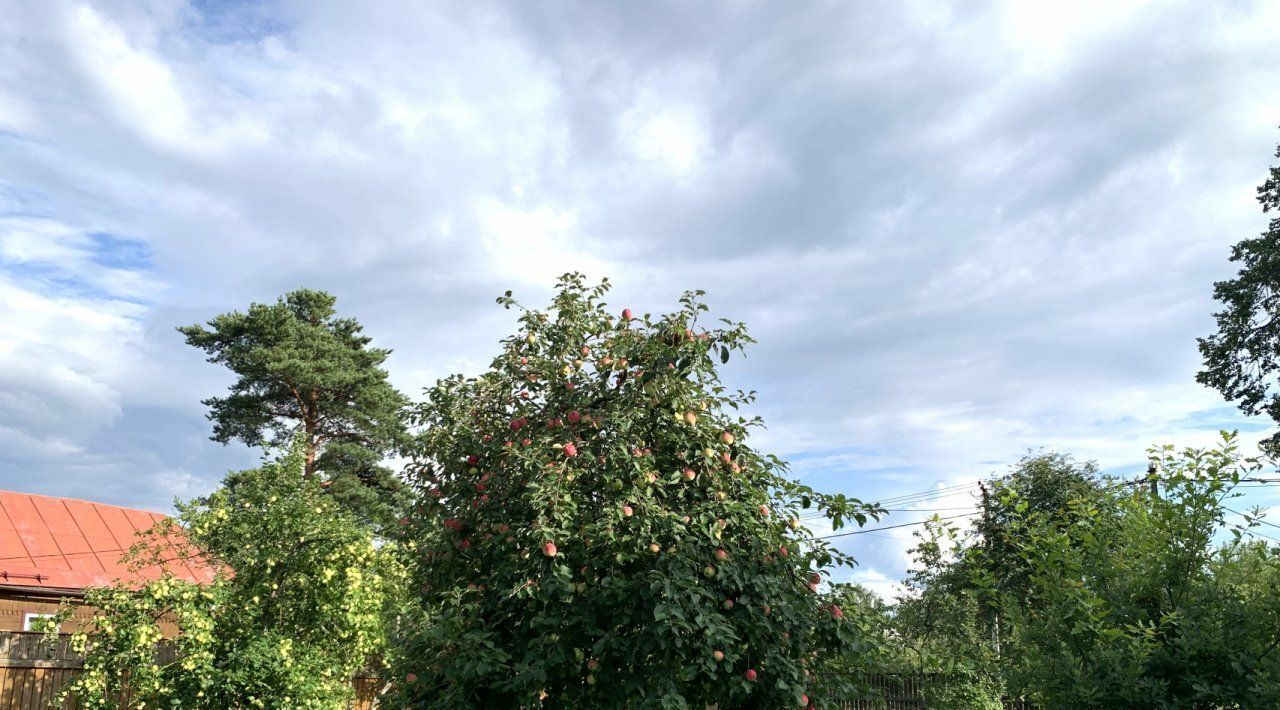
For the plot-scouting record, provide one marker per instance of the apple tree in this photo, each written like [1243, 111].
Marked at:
[592, 529]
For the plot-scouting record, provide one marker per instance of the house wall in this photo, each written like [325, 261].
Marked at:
[13, 607]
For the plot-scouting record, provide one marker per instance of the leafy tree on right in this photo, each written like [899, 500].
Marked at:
[1242, 359]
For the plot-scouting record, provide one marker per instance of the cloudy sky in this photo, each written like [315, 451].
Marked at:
[959, 230]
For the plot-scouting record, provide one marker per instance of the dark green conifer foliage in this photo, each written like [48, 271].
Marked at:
[304, 371]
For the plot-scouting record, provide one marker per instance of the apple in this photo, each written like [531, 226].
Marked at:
[783, 551]
[764, 510]
[766, 609]
[709, 571]
[728, 604]
[626, 314]
[549, 549]
[570, 450]
[628, 511]
[721, 555]
[750, 675]
[526, 442]
[815, 578]
[593, 664]
[655, 548]
[651, 477]
[709, 452]
[591, 679]
[411, 678]
[718, 655]
[574, 417]
[689, 474]
[726, 437]
[691, 418]
[472, 460]
[804, 700]
[837, 612]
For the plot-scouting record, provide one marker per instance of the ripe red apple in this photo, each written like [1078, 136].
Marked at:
[815, 578]
[626, 314]
[549, 549]
[764, 510]
[783, 551]
[472, 460]
[689, 474]
[570, 450]
[411, 678]
[728, 604]
[722, 555]
[804, 700]
[526, 442]
[574, 417]
[750, 675]
[837, 612]
[628, 511]
[718, 655]
[655, 548]
[726, 437]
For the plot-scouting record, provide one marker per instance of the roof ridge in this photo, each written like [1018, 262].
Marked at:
[87, 502]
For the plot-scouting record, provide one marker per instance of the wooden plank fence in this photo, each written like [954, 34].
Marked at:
[33, 670]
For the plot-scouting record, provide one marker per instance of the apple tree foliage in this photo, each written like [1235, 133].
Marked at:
[298, 605]
[302, 371]
[593, 529]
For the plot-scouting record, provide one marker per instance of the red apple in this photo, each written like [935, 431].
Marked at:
[626, 314]
[728, 604]
[570, 450]
[411, 678]
[837, 612]
[804, 700]
[722, 555]
[764, 510]
[815, 578]
[549, 549]
[726, 437]
[472, 460]
[718, 655]
[574, 417]
[750, 675]
[655, 548]
[628, 511]
[689, 474]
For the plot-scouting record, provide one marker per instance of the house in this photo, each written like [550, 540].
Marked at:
[51, 549]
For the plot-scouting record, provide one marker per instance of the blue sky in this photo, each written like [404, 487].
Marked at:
[959, 233]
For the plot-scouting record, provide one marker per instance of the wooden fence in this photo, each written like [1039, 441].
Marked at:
[33, 670]
[888, 692]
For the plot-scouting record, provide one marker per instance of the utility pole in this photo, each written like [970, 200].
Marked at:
[1153, 479]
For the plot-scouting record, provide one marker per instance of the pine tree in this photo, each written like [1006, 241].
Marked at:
[302, 371]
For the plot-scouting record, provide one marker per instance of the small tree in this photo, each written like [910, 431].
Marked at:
[298, 606]
[302, 371]
[1137, 603]
[1242, 359]
[593, 530]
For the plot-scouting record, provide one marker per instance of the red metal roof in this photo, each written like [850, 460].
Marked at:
[62, 543]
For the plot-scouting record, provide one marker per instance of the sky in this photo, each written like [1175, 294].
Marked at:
[959, 231]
